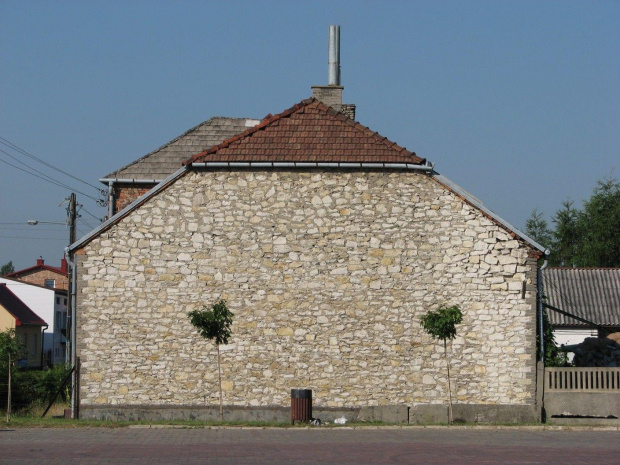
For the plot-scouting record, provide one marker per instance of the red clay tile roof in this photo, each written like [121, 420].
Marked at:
[20, 311]
[25, 271]
[308, 132]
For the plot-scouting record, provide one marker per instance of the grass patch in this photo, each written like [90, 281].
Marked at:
[27, 421]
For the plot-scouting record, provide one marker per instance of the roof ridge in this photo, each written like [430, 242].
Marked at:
[301, 107]
[266, 121]
[34, 267]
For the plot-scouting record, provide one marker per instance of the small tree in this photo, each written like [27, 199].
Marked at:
[12, 349]
[441, 324]
[214, 324]
[7, 268]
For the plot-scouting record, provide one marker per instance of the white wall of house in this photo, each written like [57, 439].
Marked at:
[43, 302]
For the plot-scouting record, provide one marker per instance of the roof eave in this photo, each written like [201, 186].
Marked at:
[125, 211]
[474, 201]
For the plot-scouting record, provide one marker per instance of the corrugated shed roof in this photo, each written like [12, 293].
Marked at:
[14, 305]
[590, 293]
[167, 159]
[309, 131]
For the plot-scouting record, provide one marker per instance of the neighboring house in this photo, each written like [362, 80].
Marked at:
[591, 294]
[329, 243]
[133, 180]
[51, 305]
[44, 275]
[28, 326]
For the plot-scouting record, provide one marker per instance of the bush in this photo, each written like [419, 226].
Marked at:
[35, 387]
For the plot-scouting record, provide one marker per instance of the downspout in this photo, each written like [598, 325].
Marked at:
[110, 198]
[539, 285]
[73, 341]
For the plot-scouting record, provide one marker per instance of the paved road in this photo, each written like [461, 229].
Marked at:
[92, 446]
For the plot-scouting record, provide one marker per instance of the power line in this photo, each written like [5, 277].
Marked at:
[95, 217]
[30, 229]
[22, 151]
[64, 186]
[50, 180]
[85, 222]
[30, 167]
[34, 238]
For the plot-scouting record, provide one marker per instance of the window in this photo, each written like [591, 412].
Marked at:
[65, 301]
[58, 319]
[58, 300]
[50, 283]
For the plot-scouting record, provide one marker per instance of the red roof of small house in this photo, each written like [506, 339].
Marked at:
[309, 131]
[20, 311]
[62, 270]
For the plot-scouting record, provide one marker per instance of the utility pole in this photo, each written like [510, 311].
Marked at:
[71, 221]
[72, 217]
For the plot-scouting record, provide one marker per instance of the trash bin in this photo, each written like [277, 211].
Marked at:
[301, 405]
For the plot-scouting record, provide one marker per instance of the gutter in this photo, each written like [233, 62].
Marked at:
[305, 165]
[130, 181]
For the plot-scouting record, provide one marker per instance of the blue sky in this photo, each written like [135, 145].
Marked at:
[517, 102]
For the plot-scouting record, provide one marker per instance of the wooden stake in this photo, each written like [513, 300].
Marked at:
[219, 370]
[450, 417]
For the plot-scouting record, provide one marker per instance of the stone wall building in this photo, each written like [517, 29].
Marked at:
[329, 242]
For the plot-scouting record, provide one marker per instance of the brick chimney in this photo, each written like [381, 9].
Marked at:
[40, 261]
[331, 94]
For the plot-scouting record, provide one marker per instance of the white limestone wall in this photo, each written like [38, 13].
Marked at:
[327, 273]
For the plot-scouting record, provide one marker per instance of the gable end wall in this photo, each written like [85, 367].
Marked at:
[327, 273]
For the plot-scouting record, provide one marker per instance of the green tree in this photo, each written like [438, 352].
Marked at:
[583, 238]
[567, 237]
[214, 325]
[599, 224]
[441, 324]
[7, 268]
[537, 228]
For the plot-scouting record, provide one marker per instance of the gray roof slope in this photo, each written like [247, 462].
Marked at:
[591, 293]
[167, 159]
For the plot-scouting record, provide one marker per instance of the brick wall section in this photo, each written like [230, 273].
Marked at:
[124, 194]
[38, 277]
[327, 273]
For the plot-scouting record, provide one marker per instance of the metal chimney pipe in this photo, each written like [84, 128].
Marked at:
[334, 56]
